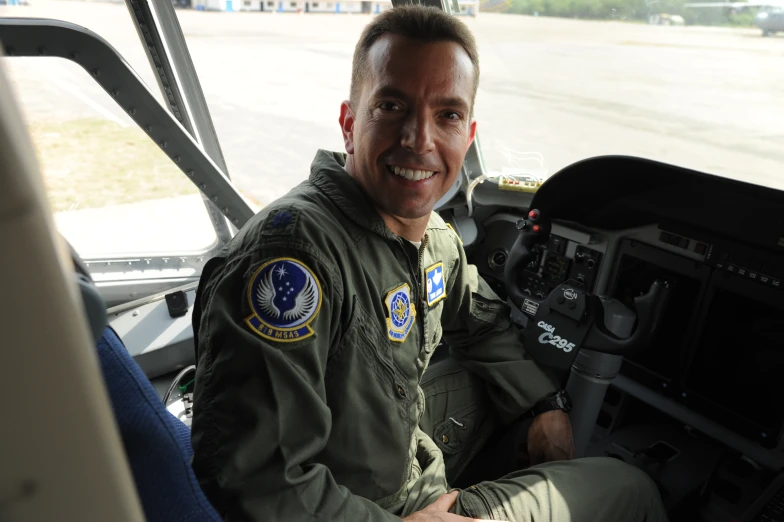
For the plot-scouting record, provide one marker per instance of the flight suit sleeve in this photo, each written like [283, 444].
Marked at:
[481, 336]
[260, 413]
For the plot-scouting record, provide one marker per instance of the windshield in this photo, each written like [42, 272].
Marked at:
[696, 86]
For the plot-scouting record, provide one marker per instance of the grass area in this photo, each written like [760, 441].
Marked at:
[90, 163]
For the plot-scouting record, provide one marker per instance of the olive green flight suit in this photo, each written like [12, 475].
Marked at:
[314, 328]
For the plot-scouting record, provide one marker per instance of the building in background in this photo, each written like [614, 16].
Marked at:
[467, 7]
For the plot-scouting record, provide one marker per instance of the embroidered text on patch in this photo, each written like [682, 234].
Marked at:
[285, 297]
[436, 287]
[401, 313]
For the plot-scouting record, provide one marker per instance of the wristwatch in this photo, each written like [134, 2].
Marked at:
[559, 401]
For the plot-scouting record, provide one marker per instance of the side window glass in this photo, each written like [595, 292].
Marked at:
[133, 216]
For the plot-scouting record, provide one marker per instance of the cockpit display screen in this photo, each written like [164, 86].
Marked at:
[738, 362]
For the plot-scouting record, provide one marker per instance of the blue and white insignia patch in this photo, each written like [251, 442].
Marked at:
[436, 288]
[285, 297]
[401, 313]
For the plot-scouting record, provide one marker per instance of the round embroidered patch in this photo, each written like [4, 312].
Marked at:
[401, 313]
[285, 296]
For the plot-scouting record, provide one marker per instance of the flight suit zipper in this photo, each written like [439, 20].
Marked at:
[421, 259]
[421, 295]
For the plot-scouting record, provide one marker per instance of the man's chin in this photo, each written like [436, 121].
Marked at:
[411, 214]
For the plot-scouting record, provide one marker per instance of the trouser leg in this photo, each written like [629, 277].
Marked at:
[582, 490]
[460, 419]
[458, 415]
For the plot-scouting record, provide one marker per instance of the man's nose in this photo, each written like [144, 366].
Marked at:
[417, 133]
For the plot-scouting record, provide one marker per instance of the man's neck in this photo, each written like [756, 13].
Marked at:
[411, 229]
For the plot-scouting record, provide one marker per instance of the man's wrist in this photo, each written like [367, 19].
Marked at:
[558, 401]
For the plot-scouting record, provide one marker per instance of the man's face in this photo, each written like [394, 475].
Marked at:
[411, 127]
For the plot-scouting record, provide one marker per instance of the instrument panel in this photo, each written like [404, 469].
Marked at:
[719, 349]
[563, 258]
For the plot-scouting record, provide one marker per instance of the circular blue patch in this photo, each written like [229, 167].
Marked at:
[401, 313]
[285, 297]
[400, 308]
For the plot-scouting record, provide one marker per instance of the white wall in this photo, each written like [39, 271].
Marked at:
[350, 7]
[288, 6]
[322, 6]
[251, 5]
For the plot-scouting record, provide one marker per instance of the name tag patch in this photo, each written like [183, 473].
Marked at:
[436, 286]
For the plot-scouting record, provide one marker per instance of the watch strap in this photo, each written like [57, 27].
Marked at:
[558, 401]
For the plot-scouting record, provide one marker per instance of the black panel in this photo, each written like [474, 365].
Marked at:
[735, 376]
[663, 361]
[618, 192]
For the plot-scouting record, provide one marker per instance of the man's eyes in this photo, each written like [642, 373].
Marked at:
[396, 107]
[389, 106]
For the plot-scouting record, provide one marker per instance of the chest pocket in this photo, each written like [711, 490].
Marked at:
[362, 347]
[433, 330]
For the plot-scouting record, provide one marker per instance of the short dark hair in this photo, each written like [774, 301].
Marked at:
[424, 24]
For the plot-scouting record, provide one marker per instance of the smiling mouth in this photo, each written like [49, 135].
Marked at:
[410, 174]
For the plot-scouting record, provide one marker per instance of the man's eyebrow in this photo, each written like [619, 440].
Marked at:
[392, 92]
[453, 101]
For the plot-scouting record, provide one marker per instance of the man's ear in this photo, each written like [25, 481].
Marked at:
[347, 125]
[471, 134]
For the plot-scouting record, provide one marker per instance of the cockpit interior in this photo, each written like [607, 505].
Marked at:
[656, 292]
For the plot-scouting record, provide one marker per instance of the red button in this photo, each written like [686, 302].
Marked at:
[537, 228]
[533, 214]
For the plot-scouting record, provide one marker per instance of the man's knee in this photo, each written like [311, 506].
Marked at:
[625, 480]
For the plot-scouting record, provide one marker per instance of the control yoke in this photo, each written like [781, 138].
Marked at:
[569, 318]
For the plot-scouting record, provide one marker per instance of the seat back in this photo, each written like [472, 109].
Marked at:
[157, 444]
[61, 455]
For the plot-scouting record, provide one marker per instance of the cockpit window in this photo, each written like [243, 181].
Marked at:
[561, 81]
[126, 208]
[109, 20]
[695, 86]
[274, 84]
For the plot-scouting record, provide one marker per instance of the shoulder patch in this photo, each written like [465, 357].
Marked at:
[280, 222]
[285, 296]
[401, 313]
[436, 287]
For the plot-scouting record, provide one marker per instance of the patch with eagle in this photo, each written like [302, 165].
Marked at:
[402, 313]
[285, 297]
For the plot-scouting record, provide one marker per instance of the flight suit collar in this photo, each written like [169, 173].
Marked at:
[328, 174]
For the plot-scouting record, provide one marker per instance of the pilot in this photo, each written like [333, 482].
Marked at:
[316, 324]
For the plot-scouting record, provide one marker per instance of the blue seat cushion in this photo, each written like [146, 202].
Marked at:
[157, 444]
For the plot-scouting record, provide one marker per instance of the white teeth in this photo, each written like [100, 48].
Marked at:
[411, 175]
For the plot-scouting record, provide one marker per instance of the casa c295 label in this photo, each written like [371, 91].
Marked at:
[549, 337]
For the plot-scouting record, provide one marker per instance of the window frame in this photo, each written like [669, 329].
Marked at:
[118, 278]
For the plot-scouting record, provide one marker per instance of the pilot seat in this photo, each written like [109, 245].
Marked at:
[157, 444]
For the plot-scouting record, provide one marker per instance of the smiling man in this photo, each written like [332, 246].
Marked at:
[316, 325]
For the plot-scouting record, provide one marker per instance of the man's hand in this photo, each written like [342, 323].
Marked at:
[438, 511]
[550, 438]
